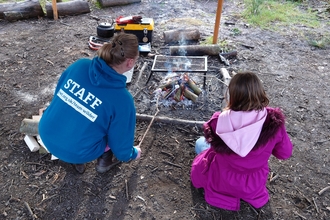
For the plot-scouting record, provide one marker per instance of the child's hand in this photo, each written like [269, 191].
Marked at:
[139, 152]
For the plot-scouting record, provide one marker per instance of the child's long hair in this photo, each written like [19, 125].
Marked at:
[246, 93]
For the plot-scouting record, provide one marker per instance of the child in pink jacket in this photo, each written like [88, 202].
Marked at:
[232, 160]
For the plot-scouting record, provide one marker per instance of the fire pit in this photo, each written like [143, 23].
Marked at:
[178, 84]
[177, 87]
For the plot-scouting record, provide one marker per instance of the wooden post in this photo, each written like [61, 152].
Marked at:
[54, 9]
[217, 22]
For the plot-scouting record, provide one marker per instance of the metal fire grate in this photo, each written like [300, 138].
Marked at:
[179, 64]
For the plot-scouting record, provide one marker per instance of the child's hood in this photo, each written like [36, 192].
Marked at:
[240, 130]
[102, 75]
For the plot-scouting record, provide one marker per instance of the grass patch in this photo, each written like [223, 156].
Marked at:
[97, 4]
[286, 15]
[206, 41]
[224, 45]
[319, 43]
[269, 14]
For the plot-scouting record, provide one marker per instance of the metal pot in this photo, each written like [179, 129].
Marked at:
[105, 30]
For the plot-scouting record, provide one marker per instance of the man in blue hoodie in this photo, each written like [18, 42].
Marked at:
[92, 114]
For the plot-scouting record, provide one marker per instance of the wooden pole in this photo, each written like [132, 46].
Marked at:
[31, 126]
[54, 9]
[217, 22]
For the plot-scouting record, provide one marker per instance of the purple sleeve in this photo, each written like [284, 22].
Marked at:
[209, 128]
[283, 149]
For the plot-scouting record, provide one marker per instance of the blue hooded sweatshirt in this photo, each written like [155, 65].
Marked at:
[91, 108]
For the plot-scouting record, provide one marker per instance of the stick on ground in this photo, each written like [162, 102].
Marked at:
[126, 186]
[152, 120]
[30, 210]
[323, 190]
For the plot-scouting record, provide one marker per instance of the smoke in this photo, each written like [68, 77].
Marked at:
[172, 87]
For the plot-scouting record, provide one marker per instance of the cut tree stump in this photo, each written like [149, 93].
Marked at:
[181, 35]
[111, 3]
[195, 50]
[32, 9]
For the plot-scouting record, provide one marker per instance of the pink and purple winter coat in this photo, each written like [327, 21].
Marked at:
[229, 174]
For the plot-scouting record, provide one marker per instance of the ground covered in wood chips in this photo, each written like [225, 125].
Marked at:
[295, 74]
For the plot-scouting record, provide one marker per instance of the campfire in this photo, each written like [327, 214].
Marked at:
[179, 85]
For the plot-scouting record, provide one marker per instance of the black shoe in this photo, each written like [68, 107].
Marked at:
[80, 168]
[104, 162]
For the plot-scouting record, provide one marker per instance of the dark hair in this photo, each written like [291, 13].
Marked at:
[121, 47]
[246, 93]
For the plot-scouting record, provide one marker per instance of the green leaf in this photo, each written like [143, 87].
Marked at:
[43, 6]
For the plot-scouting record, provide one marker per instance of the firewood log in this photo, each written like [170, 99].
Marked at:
[111, 3]
[181, 35]
[226, 76]
[190, 95]
[178, 94]
[192, 85]
[195, 50]
[32, 9]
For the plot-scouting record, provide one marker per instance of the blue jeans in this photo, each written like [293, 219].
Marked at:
[201, 145]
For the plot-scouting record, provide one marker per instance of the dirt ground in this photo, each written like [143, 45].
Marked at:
[34, 53]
